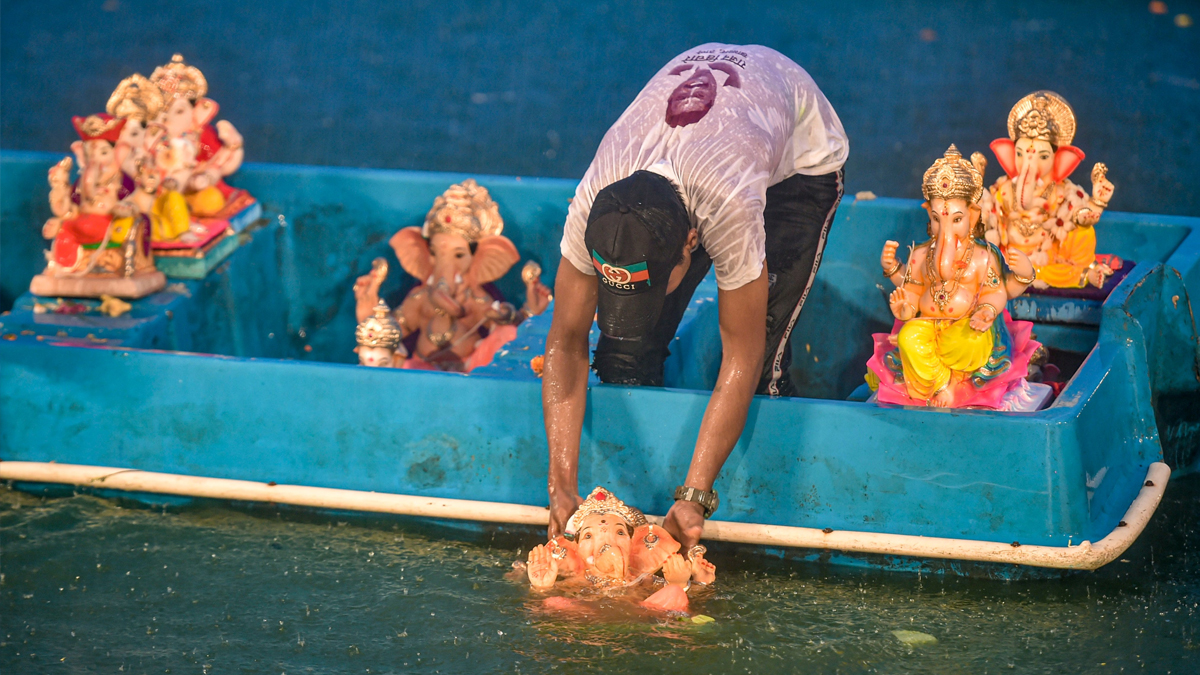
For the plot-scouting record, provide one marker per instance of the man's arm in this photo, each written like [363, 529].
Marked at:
[564, 387]
[743, 318]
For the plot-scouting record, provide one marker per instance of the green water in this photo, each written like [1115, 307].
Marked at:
[91, 586]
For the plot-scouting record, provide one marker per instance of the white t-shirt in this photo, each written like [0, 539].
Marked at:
[723, 123]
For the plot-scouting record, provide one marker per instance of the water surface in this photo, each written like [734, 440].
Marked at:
[90, 585]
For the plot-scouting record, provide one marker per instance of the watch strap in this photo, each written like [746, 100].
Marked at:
[705, 498]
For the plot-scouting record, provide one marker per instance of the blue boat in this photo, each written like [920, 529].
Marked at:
[248, 376]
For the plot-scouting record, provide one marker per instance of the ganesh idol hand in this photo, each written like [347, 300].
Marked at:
[982, 317]
[1102, 189]
[1086, 217]
[229, 135]
[60, 173]
[676, 570]
[51, 227]
[702, 570]
[1099, 274]
[887, 259]
[541, 567]
[202, 180]
[537, 298]
[124, 209]
[1019, 263]
[366, 290]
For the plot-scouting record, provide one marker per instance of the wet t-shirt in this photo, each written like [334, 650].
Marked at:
[723, 123]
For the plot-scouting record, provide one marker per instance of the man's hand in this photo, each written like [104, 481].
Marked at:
[685, 522]
[562, 507]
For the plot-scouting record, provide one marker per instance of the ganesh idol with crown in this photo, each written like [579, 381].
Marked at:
[1035, 208]
[953, 344]
[138, 102]
[455, 319]
[100, 245]
[196, 157]
[610, 550]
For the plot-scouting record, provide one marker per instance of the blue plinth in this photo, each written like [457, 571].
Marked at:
[217, 314]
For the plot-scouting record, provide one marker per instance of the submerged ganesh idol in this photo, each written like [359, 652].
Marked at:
[455, 319]
[953, 343]
[1034, 207]
[609, 549]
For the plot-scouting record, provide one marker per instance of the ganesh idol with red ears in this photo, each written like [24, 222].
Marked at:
[1035, 208]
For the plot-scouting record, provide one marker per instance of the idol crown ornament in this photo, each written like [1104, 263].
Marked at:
[379, 330]
[177, 79]
[601, 501]
[952, 177]
[1044, 116]
[136, 98]
[465, 209]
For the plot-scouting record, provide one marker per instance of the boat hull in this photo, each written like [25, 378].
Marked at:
[1052, 478]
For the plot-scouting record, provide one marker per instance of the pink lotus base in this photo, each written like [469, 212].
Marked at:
[991, 396]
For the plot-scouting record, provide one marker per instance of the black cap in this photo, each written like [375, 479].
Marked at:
[635, 236]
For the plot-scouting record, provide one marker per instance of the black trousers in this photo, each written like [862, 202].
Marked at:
[797, 217]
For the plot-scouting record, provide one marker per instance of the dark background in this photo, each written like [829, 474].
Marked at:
[529, 88]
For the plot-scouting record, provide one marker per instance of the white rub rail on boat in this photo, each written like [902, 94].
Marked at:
[1084, 556]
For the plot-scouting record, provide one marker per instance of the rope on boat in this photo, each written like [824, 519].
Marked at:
[1084, 556]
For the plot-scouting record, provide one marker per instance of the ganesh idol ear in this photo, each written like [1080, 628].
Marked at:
[1006, 155]
[652, 545]
[571, 564]
[205, 111]
[413, 253]
[120, 153]
[494, 257]
[1066, 159]
[80, 158]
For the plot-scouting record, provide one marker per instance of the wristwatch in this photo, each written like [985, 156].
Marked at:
[708, 500]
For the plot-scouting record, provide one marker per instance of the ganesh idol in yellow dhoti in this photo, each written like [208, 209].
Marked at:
[1035, 208]
[954, 346]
